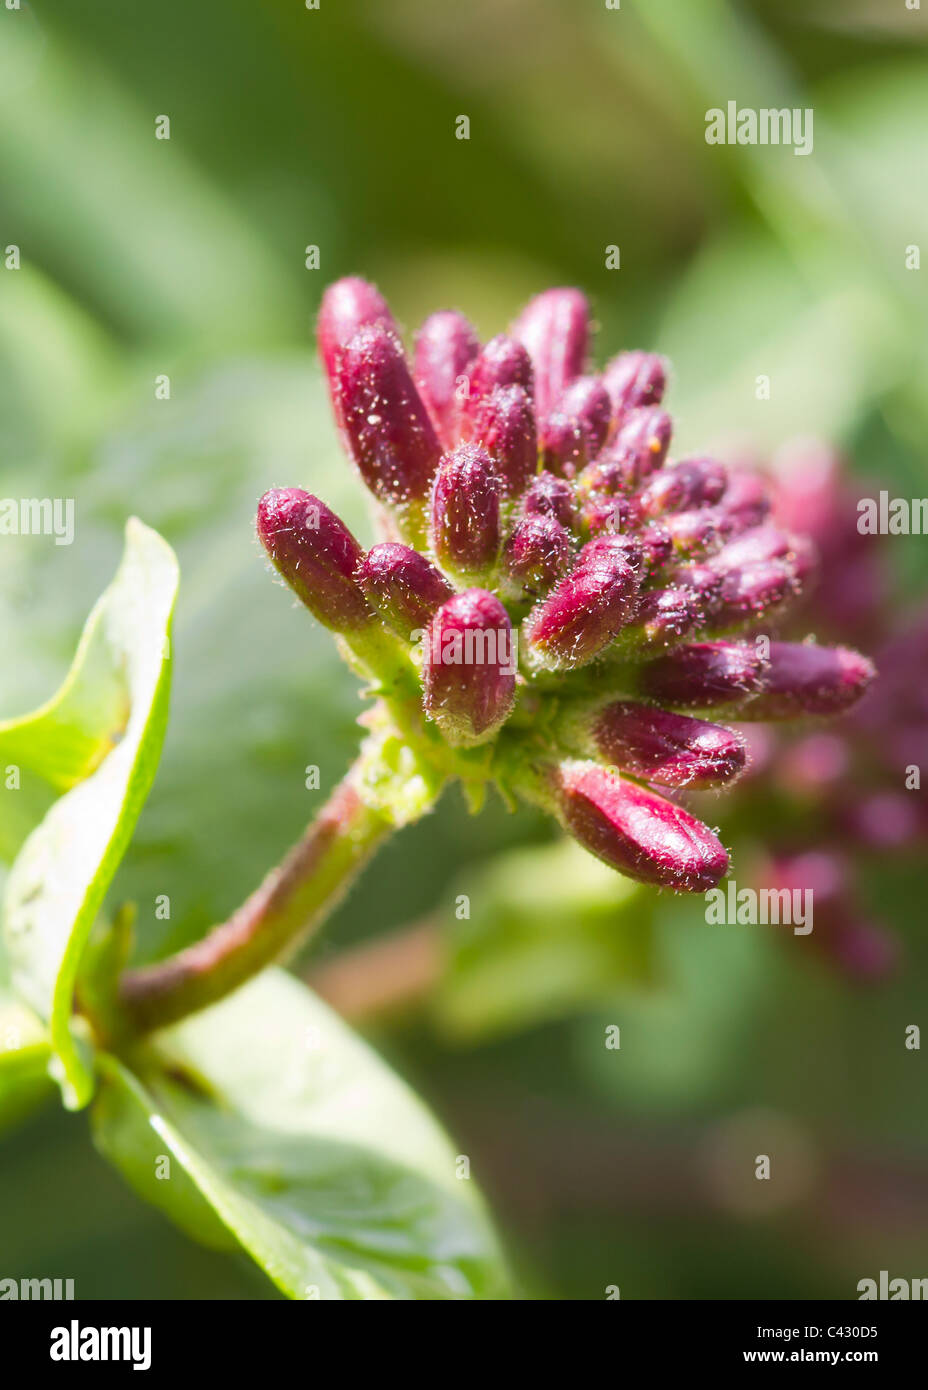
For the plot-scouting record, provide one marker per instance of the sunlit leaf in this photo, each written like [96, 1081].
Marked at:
[286, 1135]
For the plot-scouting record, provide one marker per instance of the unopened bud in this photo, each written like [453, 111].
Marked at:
[403, 586]
[643, 437]
[469, 671]
[464, 526]
[505, 425]
[550, 496]
[446, 347]
[804, 679]
[313, 550]
[347, 306]
[634, 379]
[657, 746]
[586, 400]
[586, 611]
[388, 430]
[535, 556]
[705, 675]
[689, 483]
[636, 831]
[555, 329]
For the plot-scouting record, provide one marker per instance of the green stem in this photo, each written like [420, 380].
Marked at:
[293, 900]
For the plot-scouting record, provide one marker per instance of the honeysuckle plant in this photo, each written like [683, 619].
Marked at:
[557, 609]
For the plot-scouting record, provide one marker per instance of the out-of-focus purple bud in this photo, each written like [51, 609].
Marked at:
[643, 437]
[634, 379]
[752, 592]
[505, 425]
[746, 501]
[804, 679]
[589, 607]
[469, 670]
[681, 486]
[501, 362]
[403, 586]
[666, 615]
[346, 306]
[535, 556]
[699, 532]
[550, 496]
[313, 550]
[563, 444]
[601, 513]
[670, 749]
[867, 952]
[446, 346]
[586, 400]
[387, 428]
[555, 328]
[636, 831]
[705, 675]
[464, 527]
[883, 820]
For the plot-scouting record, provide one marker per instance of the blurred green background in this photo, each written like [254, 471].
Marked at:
[335, 128]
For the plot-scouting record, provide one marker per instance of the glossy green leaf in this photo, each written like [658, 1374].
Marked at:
[285, 1134]
[549, 930]
[101, 737]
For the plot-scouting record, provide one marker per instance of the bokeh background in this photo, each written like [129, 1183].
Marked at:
[335, 128]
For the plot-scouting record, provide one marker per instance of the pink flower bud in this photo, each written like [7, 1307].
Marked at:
[464, 525]
[554, 327]
[671, 749]
[387, 428]
[643, 439]
[550, 496]
[666, 615]
[752, 592]
[501, 362]
[636, 831]
[699, 532]
[346, 306]
[446, 346]
[705, 675]
[634, 379]
[586, 611]
[563, 444]
[746, 501]
[403, 586]
[657, 546]
[804, 679]
[535, 556]
[586, 400]
[690, 483]
[618, 515]
[469, 671]
[505, 425]
[313, 550]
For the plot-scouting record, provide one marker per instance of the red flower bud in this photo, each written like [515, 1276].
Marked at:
[346, 306]
[643, 438]
[501, 362]
[313, 550]
[705, 675]
[550, 496]
[535, 556]
[586, 400]
[388, 430]
[446, 347]
[666, 615]
[615, 472]
[671, 749]
[589, 607]
[636, 831]
[616, 515]
[690, 483]
[504, 424]
[555, 329]
[752, 592]
[700, 532]
[403, 586]
[634, 379]
[464, 526]
[563, 444]
[804, 679]
[746, 501]
[469, 669]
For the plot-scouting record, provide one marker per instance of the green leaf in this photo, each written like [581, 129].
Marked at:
[101, 737]
[550, 930]
[288, 1136]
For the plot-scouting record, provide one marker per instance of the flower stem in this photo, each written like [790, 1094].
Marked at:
[293, 899]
